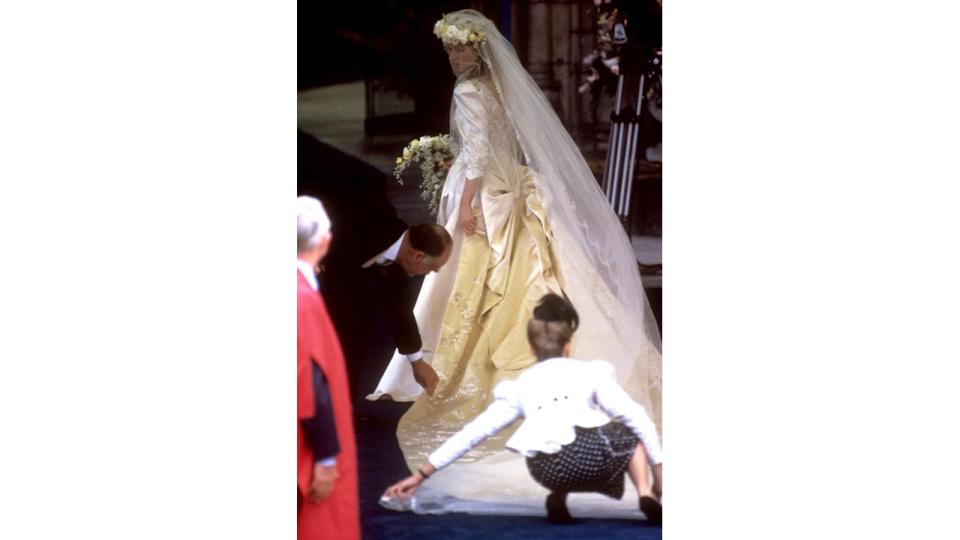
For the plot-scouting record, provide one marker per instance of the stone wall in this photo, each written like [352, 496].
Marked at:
[552, 37]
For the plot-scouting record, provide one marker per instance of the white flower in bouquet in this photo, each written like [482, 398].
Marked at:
[434, 156]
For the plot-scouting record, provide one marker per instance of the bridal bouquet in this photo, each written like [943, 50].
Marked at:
[434, 156]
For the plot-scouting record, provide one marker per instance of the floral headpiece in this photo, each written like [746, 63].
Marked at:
[452, 34]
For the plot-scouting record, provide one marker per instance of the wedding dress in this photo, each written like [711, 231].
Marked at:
[542, 226]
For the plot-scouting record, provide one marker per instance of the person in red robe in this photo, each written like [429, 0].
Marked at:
[327, 491]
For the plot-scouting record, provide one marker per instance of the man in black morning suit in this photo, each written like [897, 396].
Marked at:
[368, 268]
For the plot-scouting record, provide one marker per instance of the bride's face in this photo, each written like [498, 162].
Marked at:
[462, 58]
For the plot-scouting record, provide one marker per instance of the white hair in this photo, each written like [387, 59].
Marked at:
[312, 223]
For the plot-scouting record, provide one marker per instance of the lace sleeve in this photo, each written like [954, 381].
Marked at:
[470, 119]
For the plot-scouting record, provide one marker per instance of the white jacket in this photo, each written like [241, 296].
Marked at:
[553, 396]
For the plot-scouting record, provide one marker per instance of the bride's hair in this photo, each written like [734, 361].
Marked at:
[554, 321]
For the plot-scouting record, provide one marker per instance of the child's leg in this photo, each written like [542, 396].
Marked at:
[658, 479]
[638, 468]
[557, 508]
[649, 495]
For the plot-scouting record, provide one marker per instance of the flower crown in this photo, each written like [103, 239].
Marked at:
[452, 34]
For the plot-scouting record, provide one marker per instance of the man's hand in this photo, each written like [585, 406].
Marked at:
[322, 483]
[425, 376]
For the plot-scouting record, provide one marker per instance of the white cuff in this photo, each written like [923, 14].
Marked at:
[413, 357]
[434, 461]
[328, 462]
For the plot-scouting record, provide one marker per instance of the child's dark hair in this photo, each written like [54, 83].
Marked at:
[552, 326]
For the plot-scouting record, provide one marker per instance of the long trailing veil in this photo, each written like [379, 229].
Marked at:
[570, 190]
[597, 264]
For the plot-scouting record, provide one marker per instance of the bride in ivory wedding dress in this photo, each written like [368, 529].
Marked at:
[527, 218]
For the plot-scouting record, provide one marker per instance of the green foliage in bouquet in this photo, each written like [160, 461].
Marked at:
[434, 156]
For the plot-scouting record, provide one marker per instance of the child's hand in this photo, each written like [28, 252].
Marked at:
[404, 488]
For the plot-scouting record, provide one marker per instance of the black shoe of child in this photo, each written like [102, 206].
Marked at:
[652, 509]
[557, 508]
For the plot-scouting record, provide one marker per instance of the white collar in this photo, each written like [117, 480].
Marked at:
[387, 256]
[308, 273]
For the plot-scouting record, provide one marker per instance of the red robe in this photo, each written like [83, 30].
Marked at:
[337, 517]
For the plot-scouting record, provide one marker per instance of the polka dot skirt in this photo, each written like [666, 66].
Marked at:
[594, 462]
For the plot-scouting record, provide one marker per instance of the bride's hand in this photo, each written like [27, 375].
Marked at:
[443, 168]
[467, 220]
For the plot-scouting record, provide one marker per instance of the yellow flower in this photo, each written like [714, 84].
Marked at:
[406, 154]
[399, 161]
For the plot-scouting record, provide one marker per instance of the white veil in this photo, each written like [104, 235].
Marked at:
[569, 188]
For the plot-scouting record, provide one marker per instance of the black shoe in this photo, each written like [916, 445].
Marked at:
[652, 509]
[557, 508]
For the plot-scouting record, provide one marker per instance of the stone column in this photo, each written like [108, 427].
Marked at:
[561, 48]
[540, 51]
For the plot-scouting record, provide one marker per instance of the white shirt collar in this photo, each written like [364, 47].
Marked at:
[308, 273]
[387, 256]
